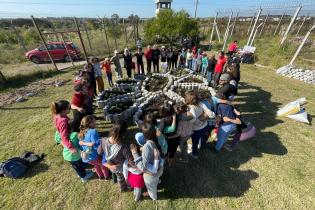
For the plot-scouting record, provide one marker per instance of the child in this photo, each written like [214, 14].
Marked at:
[204, 64]
[89, 141]
[71, 151]
[88, 67]
[189, 59]
[98, 74]
[78, 104]
[184, 128]
[211, 65]
[107, 68]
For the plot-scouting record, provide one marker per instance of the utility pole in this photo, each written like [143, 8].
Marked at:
[196, 8]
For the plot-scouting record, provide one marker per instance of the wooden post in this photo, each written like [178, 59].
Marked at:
[134, 32]
[43, 40]
[65, 45]
[251, 22]
[302, 44]
[126, 35]
[87, 35]
[80, 37]
[137, 24]
[297, 33]
[252, 41]
[218, 32]
[263, 25]
[290, 25]
[20, 39]
[106, 37]
[213, 27]
[254, 26]
[278, 24]
[233, 27]
[227, 31]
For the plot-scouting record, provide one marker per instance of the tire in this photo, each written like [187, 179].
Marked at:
[67, 58]
[35, 59]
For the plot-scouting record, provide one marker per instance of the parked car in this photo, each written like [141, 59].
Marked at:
[57, 51]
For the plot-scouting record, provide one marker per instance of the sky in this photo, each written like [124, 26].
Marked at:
[143, 8]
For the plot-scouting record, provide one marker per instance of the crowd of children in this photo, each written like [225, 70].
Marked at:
[138, 163]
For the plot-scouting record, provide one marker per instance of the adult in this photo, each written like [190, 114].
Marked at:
[127, 61]
[211, 65]
[182, 57]
[98, 74]
[219, 68]
[175, 59]
[232, 48]
[200, 114]
[169, 58]
[164, 58]
[116, 61]
[225, 88]
[156, 58]
[88, 67]
[194, 56]
[139, 56]
[146, 159]
[148, 55]
[189, 59]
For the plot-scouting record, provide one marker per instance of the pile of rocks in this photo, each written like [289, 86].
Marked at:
[290, 71]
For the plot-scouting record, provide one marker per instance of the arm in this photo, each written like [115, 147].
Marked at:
[154, 168]
[77, 108]
[209, 113]
[236, 121]
[172, 128]
[64, 133]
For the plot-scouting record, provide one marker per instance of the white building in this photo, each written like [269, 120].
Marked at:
[162, 5]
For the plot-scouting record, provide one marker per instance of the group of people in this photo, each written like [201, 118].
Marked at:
[138, 163]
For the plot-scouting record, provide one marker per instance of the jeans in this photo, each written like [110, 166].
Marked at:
[110, 78]
[149, 64]
[199, 135]
[79, 167]
[194, 65]
[223, 133]
[209, 74]
[204, 70]
[189, 63]
[156, 66]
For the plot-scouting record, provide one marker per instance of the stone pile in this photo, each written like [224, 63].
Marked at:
[290, 71]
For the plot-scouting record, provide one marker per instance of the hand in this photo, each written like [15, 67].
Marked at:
[237, 112]
[82, 110]
[156, 154]
[174, 115]
[73, 150]
[113, 167]
[133, 148]
[226, 119]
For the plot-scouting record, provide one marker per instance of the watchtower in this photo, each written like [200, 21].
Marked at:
[162, 5]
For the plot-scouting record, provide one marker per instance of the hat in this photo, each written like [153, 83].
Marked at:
[140, 139]
[225, 77]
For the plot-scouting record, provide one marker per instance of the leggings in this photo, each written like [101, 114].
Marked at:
[100, 169]
[79, 167]
[121, 180]
[128, 72]
[156, 66]
[172, 146]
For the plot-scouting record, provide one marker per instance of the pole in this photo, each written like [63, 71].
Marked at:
[87, 35]
[251, 22]
[218, 32]
[278, 24]
[20, 39]
[65, 45]
[196, 8]
[252, 41]
[297, 33]
[43, 40]
[235, 18]
[227, 31]
[302, 44]
[291, 23]
[126, 35]
[213, 27]
[263, 25]
[81, 40]
[106, 37]
[254, 26]
[134, 33]
[137, 24]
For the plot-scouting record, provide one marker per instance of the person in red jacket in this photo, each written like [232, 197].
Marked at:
[148, 56]
[219, 68]
[232, 48]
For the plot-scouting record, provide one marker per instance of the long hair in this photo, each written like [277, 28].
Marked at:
[118, 130]
[59, 106]
[85, 125]
[192, 98]
[149, 133]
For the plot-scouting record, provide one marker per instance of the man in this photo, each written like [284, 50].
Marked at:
[156, 58]
[116, 61]
[148, 55]
[225, 88]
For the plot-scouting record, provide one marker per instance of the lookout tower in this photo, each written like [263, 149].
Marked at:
[162, 5]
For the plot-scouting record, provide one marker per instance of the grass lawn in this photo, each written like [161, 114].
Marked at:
[275, 170]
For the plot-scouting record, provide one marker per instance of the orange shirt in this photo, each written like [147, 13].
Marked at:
[106, 67]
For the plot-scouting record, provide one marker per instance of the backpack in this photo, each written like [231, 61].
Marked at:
[17, 167]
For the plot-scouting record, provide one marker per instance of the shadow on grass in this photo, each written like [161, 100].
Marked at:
[36, 169]
[218, 175]
[23, 108]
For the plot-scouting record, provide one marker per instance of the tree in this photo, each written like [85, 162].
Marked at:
[170, 26]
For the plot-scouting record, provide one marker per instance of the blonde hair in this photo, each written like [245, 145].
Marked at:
[85, 125]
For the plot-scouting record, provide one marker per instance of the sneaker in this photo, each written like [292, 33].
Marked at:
[87, 176]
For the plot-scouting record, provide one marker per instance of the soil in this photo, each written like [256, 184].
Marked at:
[115, 92]
[156, 83]
[154, 107]
[192, 80]
[119, 107]
[179, 72]
[7, 98]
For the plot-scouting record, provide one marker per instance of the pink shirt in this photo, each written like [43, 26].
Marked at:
[232, 47]
[62, 125]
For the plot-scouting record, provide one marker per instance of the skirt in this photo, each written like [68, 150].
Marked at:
[136, 180]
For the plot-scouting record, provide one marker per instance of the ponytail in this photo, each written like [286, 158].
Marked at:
[59, 106]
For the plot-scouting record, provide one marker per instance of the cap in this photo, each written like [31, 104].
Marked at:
[225, 77]
[140, 139]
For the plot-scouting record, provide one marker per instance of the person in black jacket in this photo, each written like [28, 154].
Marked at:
[139, 54]
[211, 65]
[128, 61]
[156, 58]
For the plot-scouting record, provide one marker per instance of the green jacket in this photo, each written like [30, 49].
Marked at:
[67, 155]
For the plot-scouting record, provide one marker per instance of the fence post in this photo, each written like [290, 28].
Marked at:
[20, 39]
[125, 30]
[80, 37]
[235, 18]
[106, 37]
[252, 41]
[43, 40]
[218, 32]
[254, 26]
[279, 24]
[302, 44]
[65, 45]
[213, 27]
[263, 25]
[87, 35]
[251, 22]
[297, 33]
[290, 25]
[227, 31]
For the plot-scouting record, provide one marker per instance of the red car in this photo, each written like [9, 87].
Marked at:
[57, 51]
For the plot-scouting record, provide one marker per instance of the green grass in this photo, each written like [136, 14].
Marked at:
[275, 170]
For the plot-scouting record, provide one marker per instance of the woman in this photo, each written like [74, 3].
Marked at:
[147, 158]
[200, 114]
[128, 61]
[98, 74]
[88, 67]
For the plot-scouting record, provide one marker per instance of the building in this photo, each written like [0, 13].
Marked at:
[162, 5]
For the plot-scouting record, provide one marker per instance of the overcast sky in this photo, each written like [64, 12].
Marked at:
[143, 8]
